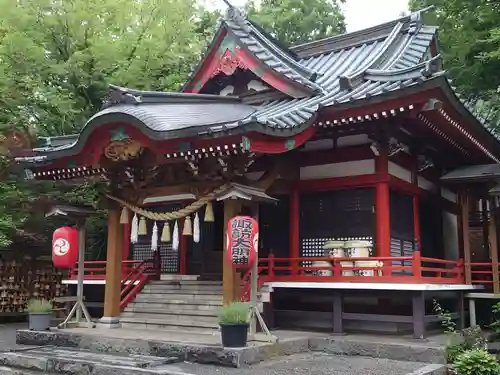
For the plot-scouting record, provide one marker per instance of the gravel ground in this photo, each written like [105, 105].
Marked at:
[312, 364]
[299, 364]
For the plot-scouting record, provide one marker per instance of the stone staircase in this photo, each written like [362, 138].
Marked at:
[50, 361]
[177, 303]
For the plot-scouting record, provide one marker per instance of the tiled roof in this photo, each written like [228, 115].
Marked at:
[483, 172]
[357, 72]
[159, 114]
[261, 46]
[337, 70]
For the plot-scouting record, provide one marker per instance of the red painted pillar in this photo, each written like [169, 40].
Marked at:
[294, 228]
[382, 208]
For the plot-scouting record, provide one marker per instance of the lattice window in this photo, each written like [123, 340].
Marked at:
[142, 249]
[401, 247]
[169, 257]
[342, 215]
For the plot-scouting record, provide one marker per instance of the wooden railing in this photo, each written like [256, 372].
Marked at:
[413, 269]
[96, 270]
[135, 280]
[135, 274]
[482, 274]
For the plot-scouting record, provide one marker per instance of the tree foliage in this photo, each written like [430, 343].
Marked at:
[298, 21]
[469, 39]
[58, 56]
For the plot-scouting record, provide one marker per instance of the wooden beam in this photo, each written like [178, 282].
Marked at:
[416, 207]
[230, 279]
[113, 269]
[272, 173]
[464, 202]
[494, 248]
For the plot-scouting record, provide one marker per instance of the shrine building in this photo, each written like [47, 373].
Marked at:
[349, 151]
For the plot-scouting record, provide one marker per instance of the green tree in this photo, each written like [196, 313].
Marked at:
[469, 38]
[298, 21]
[56, 59]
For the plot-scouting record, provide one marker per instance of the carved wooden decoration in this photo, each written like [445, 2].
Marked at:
[228, 64]
[123, 150]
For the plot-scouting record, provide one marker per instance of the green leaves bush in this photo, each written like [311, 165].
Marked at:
[39, 306]
[476, 362]
[234, 313]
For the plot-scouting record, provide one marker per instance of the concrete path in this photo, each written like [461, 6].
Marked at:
[8, 335]
[311, 364]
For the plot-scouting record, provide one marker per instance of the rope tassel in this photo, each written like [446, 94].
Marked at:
[188, 227]
[154, 238]
[143, 229]
[124, 216]
[196, 228]
[165, 233]
[175, 237]
[209, 213]
[134, 230]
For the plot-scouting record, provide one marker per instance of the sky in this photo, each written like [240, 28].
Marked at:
[359, 14]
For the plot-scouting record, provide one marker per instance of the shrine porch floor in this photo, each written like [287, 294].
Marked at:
[206, 348]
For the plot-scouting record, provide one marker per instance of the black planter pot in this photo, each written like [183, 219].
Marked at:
[234, 336]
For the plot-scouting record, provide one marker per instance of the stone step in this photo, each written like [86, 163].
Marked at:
[178, 325]
[170, 317]
[158, 308]
[167, 277]
[169, 290]
[183, 282]
[17, 371]
[76, 362]
[166, 297]
[187, 304]
[184, 287]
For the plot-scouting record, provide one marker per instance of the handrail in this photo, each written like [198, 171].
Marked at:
[400, 269]
[96, 270]
[135, 274]
[133, 283]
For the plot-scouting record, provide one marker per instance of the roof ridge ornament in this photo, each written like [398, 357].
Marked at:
[235, 14]
[120, 95]
[416, 20]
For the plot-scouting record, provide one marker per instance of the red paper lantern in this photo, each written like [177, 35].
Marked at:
[65, 247]
[242, 240]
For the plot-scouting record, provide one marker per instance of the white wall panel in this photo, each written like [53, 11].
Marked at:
[349, 168]
[449, 195]
[400, 172]
[424, 183]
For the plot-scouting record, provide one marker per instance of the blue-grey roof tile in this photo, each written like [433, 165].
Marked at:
[375, 64]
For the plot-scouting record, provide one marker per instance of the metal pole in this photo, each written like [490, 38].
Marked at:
[253, 297]
[81, 266]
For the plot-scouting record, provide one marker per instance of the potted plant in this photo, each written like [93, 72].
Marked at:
[40, 314]
[234, 320]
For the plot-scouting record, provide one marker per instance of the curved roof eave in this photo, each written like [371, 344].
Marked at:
[462, 109]
[124, 118]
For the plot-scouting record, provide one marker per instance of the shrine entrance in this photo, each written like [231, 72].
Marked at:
[205, 258]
